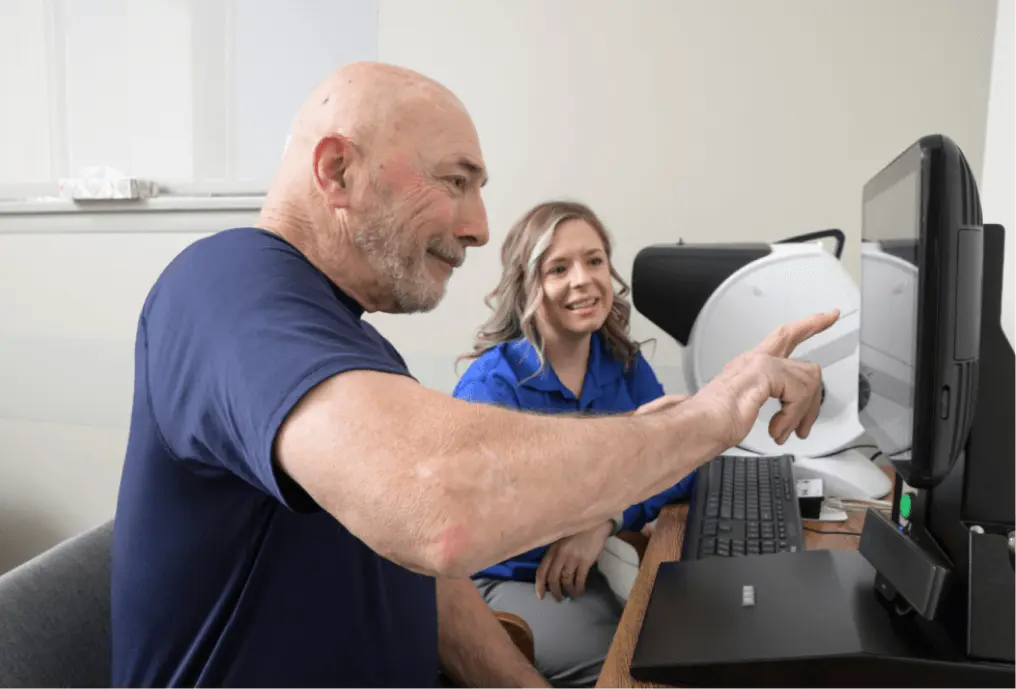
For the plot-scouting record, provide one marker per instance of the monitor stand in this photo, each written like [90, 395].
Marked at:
[816, 622]
[830, 618]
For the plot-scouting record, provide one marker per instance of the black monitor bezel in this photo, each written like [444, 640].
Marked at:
[942, 213]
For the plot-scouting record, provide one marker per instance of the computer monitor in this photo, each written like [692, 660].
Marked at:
[930, 331]
[929, 602]
[921, 254]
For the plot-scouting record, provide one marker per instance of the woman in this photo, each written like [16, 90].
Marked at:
[558, 342]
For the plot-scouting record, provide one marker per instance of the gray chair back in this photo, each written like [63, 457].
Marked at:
[54, 616]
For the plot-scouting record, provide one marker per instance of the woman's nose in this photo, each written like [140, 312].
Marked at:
[579, 276]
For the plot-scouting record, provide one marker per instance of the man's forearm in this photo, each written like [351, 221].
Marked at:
[474, 649]
[449, 487]
[534, 479]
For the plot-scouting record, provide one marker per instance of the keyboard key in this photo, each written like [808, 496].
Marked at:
[749, 508]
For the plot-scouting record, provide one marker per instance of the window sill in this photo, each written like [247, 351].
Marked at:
[184, 214]
[153, 205]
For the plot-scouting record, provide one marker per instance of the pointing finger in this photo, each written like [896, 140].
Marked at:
[782, 341]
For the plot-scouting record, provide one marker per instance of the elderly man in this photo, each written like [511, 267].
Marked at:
[295, 510]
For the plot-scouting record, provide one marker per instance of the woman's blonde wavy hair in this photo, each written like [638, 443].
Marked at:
[517, 297]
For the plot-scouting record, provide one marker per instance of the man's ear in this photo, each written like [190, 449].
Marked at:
[333, 156]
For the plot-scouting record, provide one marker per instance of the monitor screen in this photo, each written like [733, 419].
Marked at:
[890, 236]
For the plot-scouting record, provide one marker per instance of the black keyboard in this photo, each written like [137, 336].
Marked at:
[743, 506]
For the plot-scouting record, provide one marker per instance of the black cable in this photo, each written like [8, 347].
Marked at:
[852, 447]
[829, 454]
[825, 533]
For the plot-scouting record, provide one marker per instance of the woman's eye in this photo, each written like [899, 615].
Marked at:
[557, 270]
[596, 261]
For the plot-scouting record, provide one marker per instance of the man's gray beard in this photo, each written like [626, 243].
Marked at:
[391, 253]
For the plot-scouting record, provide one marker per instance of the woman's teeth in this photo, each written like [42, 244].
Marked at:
[582, 304]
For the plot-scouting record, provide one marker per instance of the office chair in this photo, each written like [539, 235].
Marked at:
[54, 616]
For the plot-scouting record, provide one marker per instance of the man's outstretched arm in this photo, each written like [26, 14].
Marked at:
[474, 649]
[448, 488]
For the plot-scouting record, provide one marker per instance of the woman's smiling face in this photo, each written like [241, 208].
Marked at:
[577, 288]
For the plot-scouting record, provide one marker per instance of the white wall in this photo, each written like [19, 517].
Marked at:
[998, 182]
[723, 120]
[720, 120]
[169, 89]
[71, 288]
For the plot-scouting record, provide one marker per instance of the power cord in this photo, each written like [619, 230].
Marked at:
[847, 449]
[828, 454]
[832, 533]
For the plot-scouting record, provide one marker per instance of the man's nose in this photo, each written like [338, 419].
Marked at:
[472, 229]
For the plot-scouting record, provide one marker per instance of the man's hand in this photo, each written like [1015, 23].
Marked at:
[746, 383]
[567, 562]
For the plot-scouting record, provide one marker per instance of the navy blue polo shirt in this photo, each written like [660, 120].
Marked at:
[225, 572]
[509, 375]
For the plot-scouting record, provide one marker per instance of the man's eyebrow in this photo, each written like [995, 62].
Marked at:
[474, 169]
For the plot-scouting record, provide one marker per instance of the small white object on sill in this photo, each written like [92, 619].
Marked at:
[106, 184]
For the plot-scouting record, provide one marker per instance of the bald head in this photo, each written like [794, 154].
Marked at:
[381, 172]
[371, 103]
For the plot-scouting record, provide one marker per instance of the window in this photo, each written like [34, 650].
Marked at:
[195, 94]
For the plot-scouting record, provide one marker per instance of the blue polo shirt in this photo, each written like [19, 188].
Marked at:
[506, 375]
[225, 572]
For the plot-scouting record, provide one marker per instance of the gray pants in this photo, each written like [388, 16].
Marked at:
[571, 637]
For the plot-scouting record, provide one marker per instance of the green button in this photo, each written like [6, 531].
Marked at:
[905, 505]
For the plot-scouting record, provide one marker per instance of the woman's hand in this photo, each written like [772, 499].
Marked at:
[567, 562]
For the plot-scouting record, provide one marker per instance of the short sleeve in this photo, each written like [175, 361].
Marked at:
[486, 389]
[644, 385]
[238, 329]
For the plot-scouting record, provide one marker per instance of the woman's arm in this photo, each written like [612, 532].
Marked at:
[649, 395]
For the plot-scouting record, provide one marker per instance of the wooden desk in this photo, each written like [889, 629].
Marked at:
[665, 545]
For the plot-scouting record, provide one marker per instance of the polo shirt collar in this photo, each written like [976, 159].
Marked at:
[602, 369]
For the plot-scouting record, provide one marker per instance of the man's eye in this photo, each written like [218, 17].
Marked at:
[460, 183]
